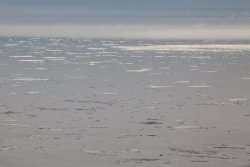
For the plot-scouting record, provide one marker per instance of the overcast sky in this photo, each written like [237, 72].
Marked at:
[27, 17]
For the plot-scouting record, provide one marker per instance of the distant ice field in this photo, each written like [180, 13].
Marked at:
[114, 102]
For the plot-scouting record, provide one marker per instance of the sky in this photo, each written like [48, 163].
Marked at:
[210, 19]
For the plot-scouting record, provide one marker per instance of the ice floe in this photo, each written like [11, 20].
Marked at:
[6, 148]
[19, 125]
[199, 86]
[182, 82]
[195, 48]
[92, 63]
[30, 79]
[246, 78]
[238, 99]
[160, 86]
[28, 56]
[55, 58]
[32, 61]
[54, 50]
[140, 70]
[34, 92]
[186, 127]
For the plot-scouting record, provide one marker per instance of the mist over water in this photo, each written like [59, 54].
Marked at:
[169, 19]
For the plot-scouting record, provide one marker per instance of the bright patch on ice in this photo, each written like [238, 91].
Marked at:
[186, 127]
[28, 56]
[207, 47]
[9, 120]
[33, 61]
[180, 82]
[41, 68]
[8, 148]
[19, 125]
[9, 45]
[109, 93]
[96, 48]
[238, 100]
[37, 92]
[30, 79]
[92, 63]
[199, 86]
[74, 53]
[93, 151]
[158, 87]
[54, 58]
[53, 50]
[140, 70]
[209, 71]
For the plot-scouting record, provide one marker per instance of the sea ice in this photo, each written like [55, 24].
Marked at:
[140, 70]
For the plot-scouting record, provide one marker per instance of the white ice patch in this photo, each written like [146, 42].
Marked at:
[41, 68]
[55, 58]
[9, 120]
[35, 92]
[75, 53]
[101, 153]
[140, 70]
[186, 127]
[53, 50]
[8, 148]
[238, 100]
[105, 52]
[204, 47]
[93, 151]
[198, 57]
[9, 45]
[135, 56]
[210, 71]
[32, 61]
[30, 79]
[160, 86]
[182, 82]
[28, 56]
[199, 86]
[159, 56]
[92, 63]
[96, 48]
[110, 93]
[19, 125]
[107, 93]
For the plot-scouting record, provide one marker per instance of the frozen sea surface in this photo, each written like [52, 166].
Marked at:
[96, 103]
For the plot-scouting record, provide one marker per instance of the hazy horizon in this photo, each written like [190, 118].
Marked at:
[168, 19]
